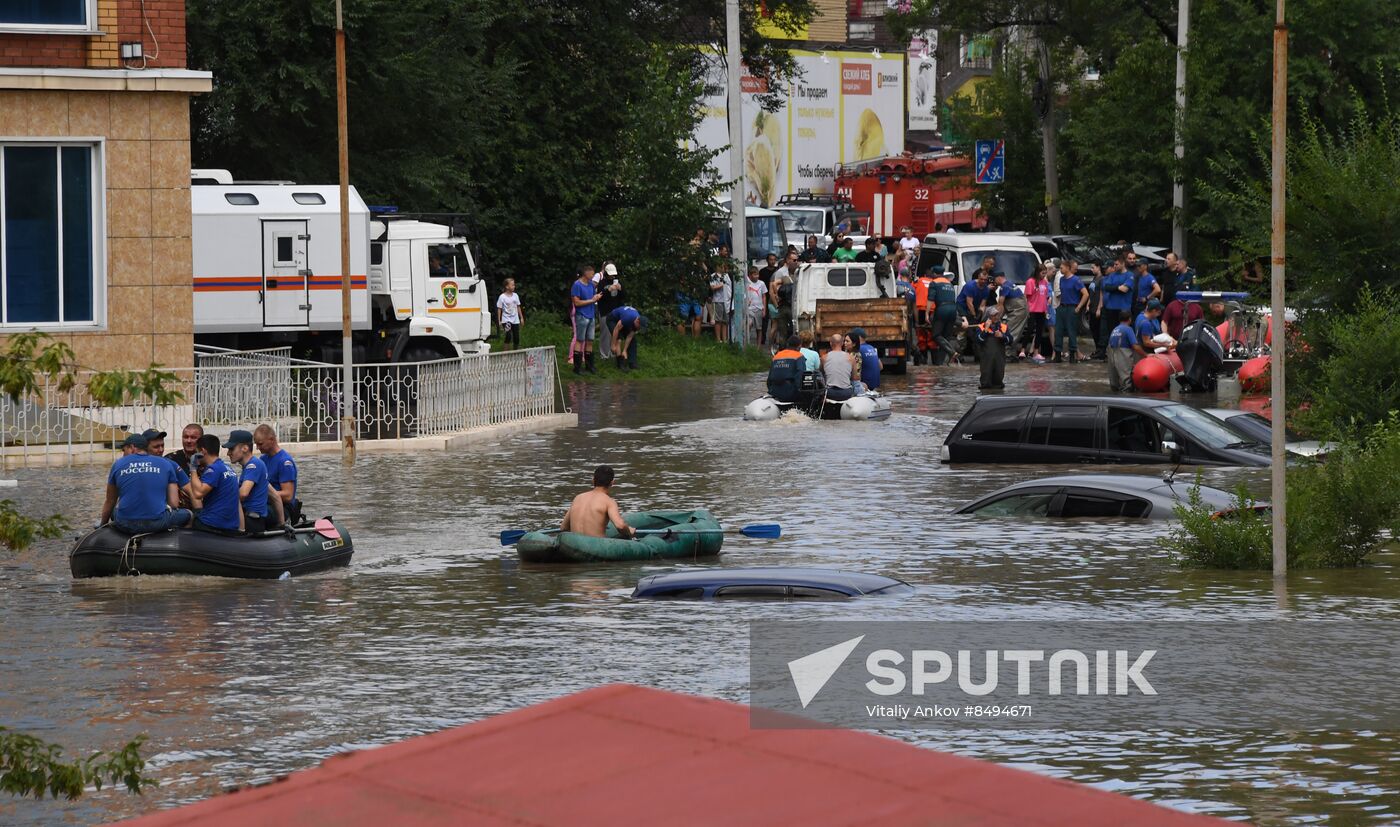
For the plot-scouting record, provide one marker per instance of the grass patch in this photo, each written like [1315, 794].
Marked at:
[661, 353]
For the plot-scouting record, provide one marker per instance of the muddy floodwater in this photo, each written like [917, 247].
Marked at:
[434, 624]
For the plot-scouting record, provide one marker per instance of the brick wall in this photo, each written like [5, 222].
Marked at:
[120, 21]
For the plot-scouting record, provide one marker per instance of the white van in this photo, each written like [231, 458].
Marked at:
[962, 253]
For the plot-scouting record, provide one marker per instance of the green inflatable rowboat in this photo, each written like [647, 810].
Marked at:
[681, 534]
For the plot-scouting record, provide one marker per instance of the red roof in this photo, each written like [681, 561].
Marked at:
[627, 754]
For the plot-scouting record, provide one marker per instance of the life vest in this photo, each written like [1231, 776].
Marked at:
[785, 375]
[921, 288]
[989, 330]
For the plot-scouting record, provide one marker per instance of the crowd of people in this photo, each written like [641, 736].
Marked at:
[150, 491]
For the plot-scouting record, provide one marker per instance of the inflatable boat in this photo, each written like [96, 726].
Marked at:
[105, 552]
[867, 406]
[671, 535]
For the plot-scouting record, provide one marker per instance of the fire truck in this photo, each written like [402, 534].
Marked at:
[915, 191]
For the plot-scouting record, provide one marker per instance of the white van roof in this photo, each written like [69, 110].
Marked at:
[750, 210]
[1008, 241]
[272, 199]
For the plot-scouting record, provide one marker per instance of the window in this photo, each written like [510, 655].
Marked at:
[855, 278]
[1080, 504]
[1000, 424]
[284, 250]
[1200, 426]
[51, 261]
[447, 261]
[814, 593]
[764, 591]
[309, 198]
[241, 199]
[836, 278]
[1018, 505]
[929, 256]
[1132, 431]
[1018, 265]
[47, 14]
[376, 254]
[680, 594]
[1071, 426]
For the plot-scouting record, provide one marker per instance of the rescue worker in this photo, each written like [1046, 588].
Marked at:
[944, 298]
[992, 336]
[591, 511]
[1124, 351]
[215, 485]
[155, 446]
[141, 492]
[1073, 299]
[189, 445]
[972, 301]
[253, 488]
[1011, 300]
[281, 472]
[1117, 290]
[786, 370]
[1148, 328]
[1145, 287]
[923, 318]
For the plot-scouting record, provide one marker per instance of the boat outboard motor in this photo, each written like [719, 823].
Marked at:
[811, 394]
[785, 378]
[1202, 357]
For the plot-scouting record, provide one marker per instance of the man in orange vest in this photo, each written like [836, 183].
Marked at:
[923, 320]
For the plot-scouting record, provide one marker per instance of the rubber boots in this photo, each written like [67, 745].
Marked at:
[578, 363]
[588, 363]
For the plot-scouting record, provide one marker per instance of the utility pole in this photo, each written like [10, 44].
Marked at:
[739, 245]
[1279, 493]
[1048, 138]
[342, 125]
[1183, 26]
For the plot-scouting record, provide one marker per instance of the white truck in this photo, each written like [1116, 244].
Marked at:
[834, 298]
[267, 273]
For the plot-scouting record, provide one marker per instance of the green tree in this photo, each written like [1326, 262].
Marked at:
[28, 765]
[526, 116]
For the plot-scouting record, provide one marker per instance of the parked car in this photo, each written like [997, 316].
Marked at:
[761, 583]
[1077, 247]
[1253, 426]
[1094, 495]
[962, 253]
[1092, 429]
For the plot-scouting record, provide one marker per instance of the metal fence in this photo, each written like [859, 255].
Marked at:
[302, 400]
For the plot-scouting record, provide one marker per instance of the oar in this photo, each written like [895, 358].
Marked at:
[765, 531]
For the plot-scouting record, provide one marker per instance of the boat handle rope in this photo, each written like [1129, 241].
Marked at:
[125, 564]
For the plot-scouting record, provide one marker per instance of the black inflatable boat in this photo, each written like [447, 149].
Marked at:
[105, 552]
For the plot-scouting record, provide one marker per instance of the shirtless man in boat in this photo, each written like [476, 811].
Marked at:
[591, 511]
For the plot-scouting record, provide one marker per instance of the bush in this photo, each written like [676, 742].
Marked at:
[1349, 377]
[1339, 512]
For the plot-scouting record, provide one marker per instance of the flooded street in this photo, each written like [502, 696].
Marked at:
[434, 624]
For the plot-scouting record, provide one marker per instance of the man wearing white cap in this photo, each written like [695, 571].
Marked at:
[611, 290]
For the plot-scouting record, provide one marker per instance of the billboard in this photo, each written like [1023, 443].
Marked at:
[843, 107]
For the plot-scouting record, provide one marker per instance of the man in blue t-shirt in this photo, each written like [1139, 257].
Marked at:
[869, 359]
[1116, 298]
[625, 322]
[253, 488]
[155, 446]
[141, 492]
[281, 473]
[1148, 327]
[1123, 353]
[1145, 287]
[584, 296]
[1073, 299]
[216, 485]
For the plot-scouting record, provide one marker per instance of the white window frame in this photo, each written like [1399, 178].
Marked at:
[90, 27]
[99, 236]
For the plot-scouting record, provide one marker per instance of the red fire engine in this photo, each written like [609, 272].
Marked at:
[913, 191]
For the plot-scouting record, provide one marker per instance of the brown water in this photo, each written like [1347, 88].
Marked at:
[239, 682]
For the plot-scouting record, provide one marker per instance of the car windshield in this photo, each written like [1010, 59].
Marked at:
[807, 222]
[1257, 427]
[1018, 265]
[1083, 250]
[765, 237]
[1200, 426]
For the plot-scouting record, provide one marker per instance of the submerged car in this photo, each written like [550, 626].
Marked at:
[767, 583]
[1095, 430]
[1251, 425]
[1095, 495]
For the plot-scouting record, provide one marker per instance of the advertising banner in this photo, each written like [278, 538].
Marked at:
[844, 107]
[923, 103]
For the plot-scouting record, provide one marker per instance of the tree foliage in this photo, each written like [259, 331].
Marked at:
[561, 128]
[31, 767]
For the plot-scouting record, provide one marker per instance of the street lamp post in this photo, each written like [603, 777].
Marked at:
[1276, 260]
[342, 124]
[739, 246]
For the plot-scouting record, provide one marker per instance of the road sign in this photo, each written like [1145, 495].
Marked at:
[991, 162]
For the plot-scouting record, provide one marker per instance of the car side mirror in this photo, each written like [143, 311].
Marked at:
[1173, 451]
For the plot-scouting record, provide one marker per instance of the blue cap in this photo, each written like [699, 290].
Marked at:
[239, 438]
[137, 440]
[151, 433]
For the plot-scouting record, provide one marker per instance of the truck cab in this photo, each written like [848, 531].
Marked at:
[423, 276]
[806, 214]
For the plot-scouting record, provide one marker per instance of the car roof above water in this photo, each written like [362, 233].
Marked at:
[849, 582]
[1121, 401]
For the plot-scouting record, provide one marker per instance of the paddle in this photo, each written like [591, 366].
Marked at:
[765, 531]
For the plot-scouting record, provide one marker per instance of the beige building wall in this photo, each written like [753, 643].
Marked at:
[146, 165]
[828, 22]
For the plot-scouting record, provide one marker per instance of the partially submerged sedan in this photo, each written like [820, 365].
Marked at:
[1253, 426]
[767, 583]
[1094, 495]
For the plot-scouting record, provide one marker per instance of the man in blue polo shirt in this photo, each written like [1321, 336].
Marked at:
[584, 296]
[253, 488]
[155, 446]
[972, 300]
[141, 492]
[1123, 353]
[1148, 326]
[281, 472]
[625, 322]
[1145, 287]
[216, 485]
[1073, 299]
[1117, 298]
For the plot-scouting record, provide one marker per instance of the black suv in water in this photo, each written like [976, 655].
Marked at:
[1095, 430]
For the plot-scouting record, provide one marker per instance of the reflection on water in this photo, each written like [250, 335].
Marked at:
[239, 682]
